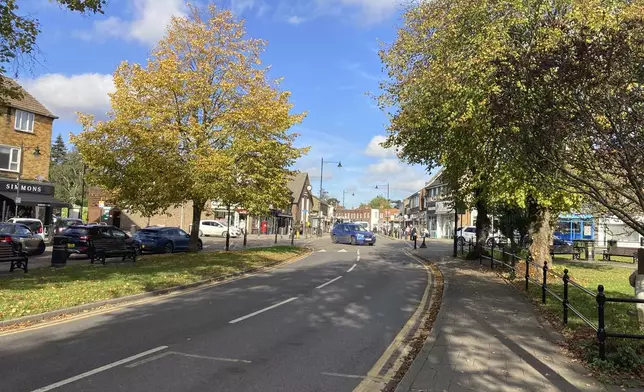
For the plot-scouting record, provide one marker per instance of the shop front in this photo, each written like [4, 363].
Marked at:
[29, 199]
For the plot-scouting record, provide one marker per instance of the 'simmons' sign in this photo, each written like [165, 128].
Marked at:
[12, 186]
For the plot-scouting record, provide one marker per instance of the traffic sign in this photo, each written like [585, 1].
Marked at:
[101, 204]
[18, 200]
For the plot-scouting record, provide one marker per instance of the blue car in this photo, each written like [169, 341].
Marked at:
[351, 233]
[162, 240]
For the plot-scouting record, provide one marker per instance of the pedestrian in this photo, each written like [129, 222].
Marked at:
[413, 234]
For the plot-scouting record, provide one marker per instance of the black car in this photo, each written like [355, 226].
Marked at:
[81, 236]
[63, 223]
[163, 240]
[19, 234]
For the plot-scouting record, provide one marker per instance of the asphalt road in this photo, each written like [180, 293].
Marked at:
[318, 324]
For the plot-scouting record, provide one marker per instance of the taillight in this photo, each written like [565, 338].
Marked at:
[40, 230]
[84, 237]
[5, 239]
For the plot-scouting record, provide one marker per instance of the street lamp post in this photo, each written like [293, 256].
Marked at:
[20, 166]
[322, 163]
[388, 200]
[343, 193]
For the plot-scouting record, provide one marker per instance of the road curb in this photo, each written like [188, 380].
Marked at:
[417, 364]
[42, 318]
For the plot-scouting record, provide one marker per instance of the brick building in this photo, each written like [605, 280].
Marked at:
[101, 208]
[25, 145]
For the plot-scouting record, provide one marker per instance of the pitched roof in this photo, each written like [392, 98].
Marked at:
[27, 102]
[296, 185]
[436, 179]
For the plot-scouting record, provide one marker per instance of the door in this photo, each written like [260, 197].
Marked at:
[181, 239]
[346, 235]
[116, 235]
[206, 228]
[218, 228]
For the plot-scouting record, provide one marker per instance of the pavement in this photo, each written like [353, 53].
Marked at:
[317, 324]
[488, 338]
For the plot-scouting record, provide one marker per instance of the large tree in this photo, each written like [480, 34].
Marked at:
[570, 99]
[58, 151]
[380, 202]
[18, 38]
[200, 121]
[440, 70]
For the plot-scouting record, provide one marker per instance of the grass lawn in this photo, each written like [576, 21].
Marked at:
[46, 289]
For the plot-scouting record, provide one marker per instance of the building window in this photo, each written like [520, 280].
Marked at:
[9, 158]
[24, 121]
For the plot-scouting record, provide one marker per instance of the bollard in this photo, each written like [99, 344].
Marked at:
[527, 272]
[423, 245]
[601, 327]
[415, 242]
[545, 282]
[565, 301]
[492, 256]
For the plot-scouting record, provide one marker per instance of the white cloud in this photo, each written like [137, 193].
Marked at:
[65, 95]
[375, 149]
[386, 166]
[362, 11]
[148, 24]
[294, 19]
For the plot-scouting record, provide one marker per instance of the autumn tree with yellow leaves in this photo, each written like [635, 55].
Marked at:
[200, 121]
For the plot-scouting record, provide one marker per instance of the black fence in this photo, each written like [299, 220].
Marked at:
[509, 260]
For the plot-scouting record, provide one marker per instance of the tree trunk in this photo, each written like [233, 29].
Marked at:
[197, 208]
[540, 233]
[482, 225]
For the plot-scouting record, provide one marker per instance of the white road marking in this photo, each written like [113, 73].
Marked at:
[322, 250]
[211, 358]
[262, 310]
[351, 269]
[146, 360]
[358, 258]
[329, 282]
[341, 250]
[98, 370]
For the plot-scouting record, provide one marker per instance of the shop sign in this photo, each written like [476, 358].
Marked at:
[12, 186]
[443, 207]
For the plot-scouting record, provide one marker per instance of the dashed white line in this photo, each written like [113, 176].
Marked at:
[262, 310]
[352, 267]
[99, 369]
[358, 258]
[329, 282]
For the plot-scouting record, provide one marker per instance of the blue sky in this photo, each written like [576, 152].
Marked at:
[326, 50]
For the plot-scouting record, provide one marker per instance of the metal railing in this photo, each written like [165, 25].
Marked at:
[600, 297]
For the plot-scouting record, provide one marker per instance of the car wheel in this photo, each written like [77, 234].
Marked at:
[199, 245]
[223, 234]
[41, 248]
[490, 242]
[461, 240]
[353, 240]
[334, 239]
[200, 233]
[169, 248]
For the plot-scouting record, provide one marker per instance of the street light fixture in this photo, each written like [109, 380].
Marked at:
[388, 200]
[343, 193]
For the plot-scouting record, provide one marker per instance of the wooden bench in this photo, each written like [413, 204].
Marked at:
[619, 251]
[104, 248]
[9, 253]
[565, 250]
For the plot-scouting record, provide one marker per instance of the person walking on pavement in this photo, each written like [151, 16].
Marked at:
[414, 233]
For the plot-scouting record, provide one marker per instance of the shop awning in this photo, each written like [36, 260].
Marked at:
[32, 199]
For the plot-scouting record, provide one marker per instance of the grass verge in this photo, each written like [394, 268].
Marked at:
[625, 358]
[47, 289]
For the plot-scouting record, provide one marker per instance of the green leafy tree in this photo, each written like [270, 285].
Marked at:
[441, 70]
[333, 201]
[18, 38]
[67, 176]
[58, 151]
[379, 202]
[200, 121]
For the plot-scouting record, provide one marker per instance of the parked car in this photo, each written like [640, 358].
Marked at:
[216, 228]
[35, 225]
[162, 240]
[465, 234]
[20, 235]
[351, 233]
[63, 223]
[81, 236]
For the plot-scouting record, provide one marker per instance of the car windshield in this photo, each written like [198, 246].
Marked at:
[71, 222]
[148, 233]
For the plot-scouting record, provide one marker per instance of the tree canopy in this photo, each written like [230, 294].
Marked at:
[200, 121]
[18, 37]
